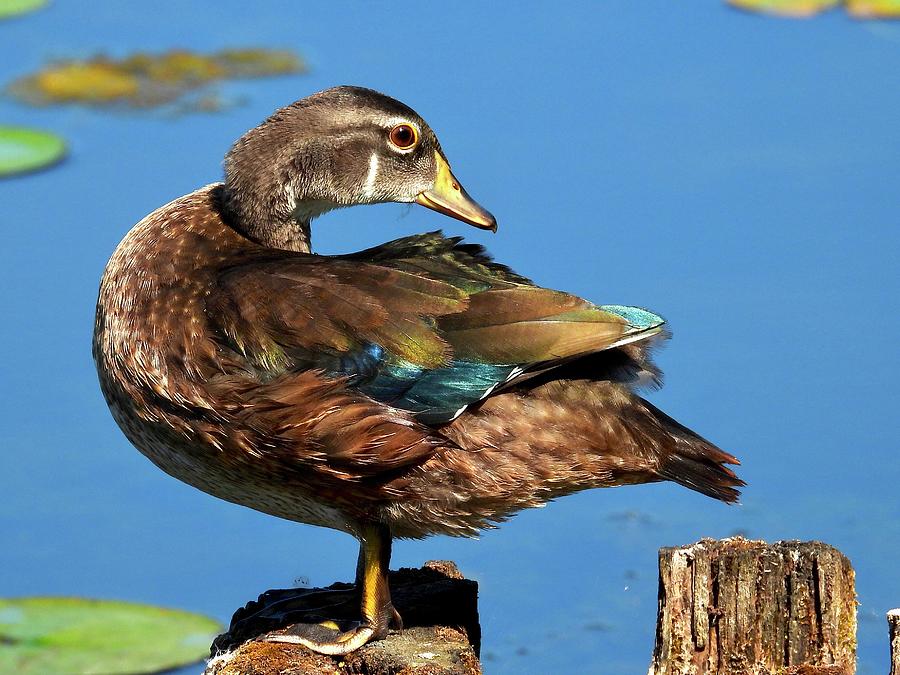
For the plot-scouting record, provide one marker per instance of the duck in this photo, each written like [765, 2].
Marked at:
[411, 389]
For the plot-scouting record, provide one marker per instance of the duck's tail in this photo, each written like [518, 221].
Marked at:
[522, 448]
[642, 443]
[690, 460]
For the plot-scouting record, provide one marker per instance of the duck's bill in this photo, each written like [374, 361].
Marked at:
[448, 197]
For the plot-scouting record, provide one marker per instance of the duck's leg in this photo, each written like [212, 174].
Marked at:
[360, 581]
[375, 598]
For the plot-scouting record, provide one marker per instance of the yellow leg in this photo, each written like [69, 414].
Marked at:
[375, 598]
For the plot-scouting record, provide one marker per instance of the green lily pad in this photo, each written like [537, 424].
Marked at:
[15, 7]
[76, 635]
[24, 150]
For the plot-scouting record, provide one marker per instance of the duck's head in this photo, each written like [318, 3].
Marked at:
[340, 147]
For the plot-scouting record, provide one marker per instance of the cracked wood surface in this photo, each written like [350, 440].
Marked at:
[740, 607]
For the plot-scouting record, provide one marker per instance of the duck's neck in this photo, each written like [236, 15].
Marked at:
[276, 223]
[288, 234]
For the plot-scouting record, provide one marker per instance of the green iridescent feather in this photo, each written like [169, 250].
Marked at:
[424, 323]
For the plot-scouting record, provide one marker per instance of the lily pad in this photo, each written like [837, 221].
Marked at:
[147, 80]
[10, 8]
[23, 150]
[793, 8]
[76, 635]
[874, 9]
[859, 9]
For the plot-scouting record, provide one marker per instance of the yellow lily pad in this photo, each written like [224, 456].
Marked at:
[23, 150]
[95, 82]
[9, 8]
[75, 635]
[146, 80]
[874, 9]
[792, 8]
[859, 9]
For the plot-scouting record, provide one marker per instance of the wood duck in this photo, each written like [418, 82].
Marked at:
[410, 389]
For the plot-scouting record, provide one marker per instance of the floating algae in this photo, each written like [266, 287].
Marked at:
[149, 80]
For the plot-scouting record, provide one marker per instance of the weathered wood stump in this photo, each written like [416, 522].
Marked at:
[893, 618]
[441, 635]
[744, 607]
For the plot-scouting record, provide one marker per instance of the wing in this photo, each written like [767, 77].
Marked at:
[511, 329]
[423, 324]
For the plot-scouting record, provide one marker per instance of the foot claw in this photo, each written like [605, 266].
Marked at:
[396, 620]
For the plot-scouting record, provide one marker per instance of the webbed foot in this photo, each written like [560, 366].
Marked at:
[313, 636]
[378, 613]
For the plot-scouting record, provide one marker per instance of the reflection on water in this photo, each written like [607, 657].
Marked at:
[687, 158]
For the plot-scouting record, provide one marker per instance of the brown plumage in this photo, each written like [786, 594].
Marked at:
[410, 389]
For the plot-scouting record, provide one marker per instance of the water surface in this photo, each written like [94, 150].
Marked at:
[736, 174]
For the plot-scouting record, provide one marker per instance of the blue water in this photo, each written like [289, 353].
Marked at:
[737, 174]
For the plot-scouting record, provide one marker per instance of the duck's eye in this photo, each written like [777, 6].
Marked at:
[404, 136]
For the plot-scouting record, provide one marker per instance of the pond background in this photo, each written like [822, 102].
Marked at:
[737, 174]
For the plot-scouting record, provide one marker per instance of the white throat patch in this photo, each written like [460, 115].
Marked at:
[371, 177]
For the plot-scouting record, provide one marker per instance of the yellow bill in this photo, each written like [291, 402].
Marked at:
[448, 197]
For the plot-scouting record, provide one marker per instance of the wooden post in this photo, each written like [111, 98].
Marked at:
[739, 607]
[441, 635]
[893, 618]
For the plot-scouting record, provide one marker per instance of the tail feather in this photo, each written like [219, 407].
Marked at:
[696, 463]
[550, 437]
[703, 475]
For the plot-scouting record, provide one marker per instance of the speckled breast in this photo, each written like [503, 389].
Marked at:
[153, 356]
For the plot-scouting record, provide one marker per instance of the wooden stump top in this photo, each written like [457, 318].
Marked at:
[741, 607]
[441, 635]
